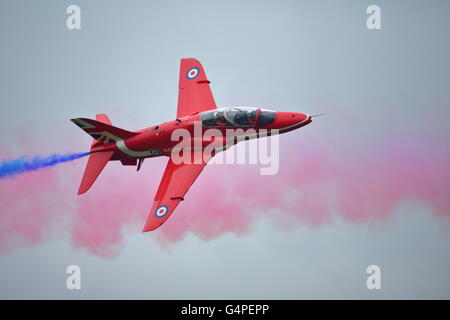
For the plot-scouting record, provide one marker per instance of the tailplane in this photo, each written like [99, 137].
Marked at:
[96, 162]
[102, 131]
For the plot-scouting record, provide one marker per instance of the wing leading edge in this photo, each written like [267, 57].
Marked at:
[175, 183]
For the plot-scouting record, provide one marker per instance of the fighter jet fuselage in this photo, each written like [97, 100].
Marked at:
[199, 129]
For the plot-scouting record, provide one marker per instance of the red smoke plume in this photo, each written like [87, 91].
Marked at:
[314, 186]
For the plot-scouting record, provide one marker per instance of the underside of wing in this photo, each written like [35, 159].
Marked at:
[174, 184]
[194, 92]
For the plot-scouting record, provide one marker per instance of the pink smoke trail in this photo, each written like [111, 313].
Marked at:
[315, 186]
[29, 208]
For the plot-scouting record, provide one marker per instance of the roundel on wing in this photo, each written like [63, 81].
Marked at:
[192, 73]
[161, 211]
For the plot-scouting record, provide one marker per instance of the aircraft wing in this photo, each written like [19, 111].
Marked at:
[194, 93]
[174, 184]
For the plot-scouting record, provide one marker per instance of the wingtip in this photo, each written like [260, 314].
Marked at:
[189, 58]
[190, 61]
[148, 228]
[151, 226]
[83, 189]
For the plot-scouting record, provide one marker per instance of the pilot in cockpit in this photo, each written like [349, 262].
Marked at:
[220, 118]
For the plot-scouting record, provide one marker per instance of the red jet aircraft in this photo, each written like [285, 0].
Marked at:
[195, 105]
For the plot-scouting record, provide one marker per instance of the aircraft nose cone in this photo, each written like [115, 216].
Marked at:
[299, 116]
[292, 118]
[287, 121]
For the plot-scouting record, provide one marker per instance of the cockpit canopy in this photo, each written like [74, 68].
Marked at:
[237, 117]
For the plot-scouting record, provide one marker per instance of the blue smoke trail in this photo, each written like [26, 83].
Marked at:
[10, 168]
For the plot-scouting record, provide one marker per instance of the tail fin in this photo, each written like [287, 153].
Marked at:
[103, 118]
[103, 132]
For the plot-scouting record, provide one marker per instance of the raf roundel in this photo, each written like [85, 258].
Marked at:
[161, 211]
[192, 73]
